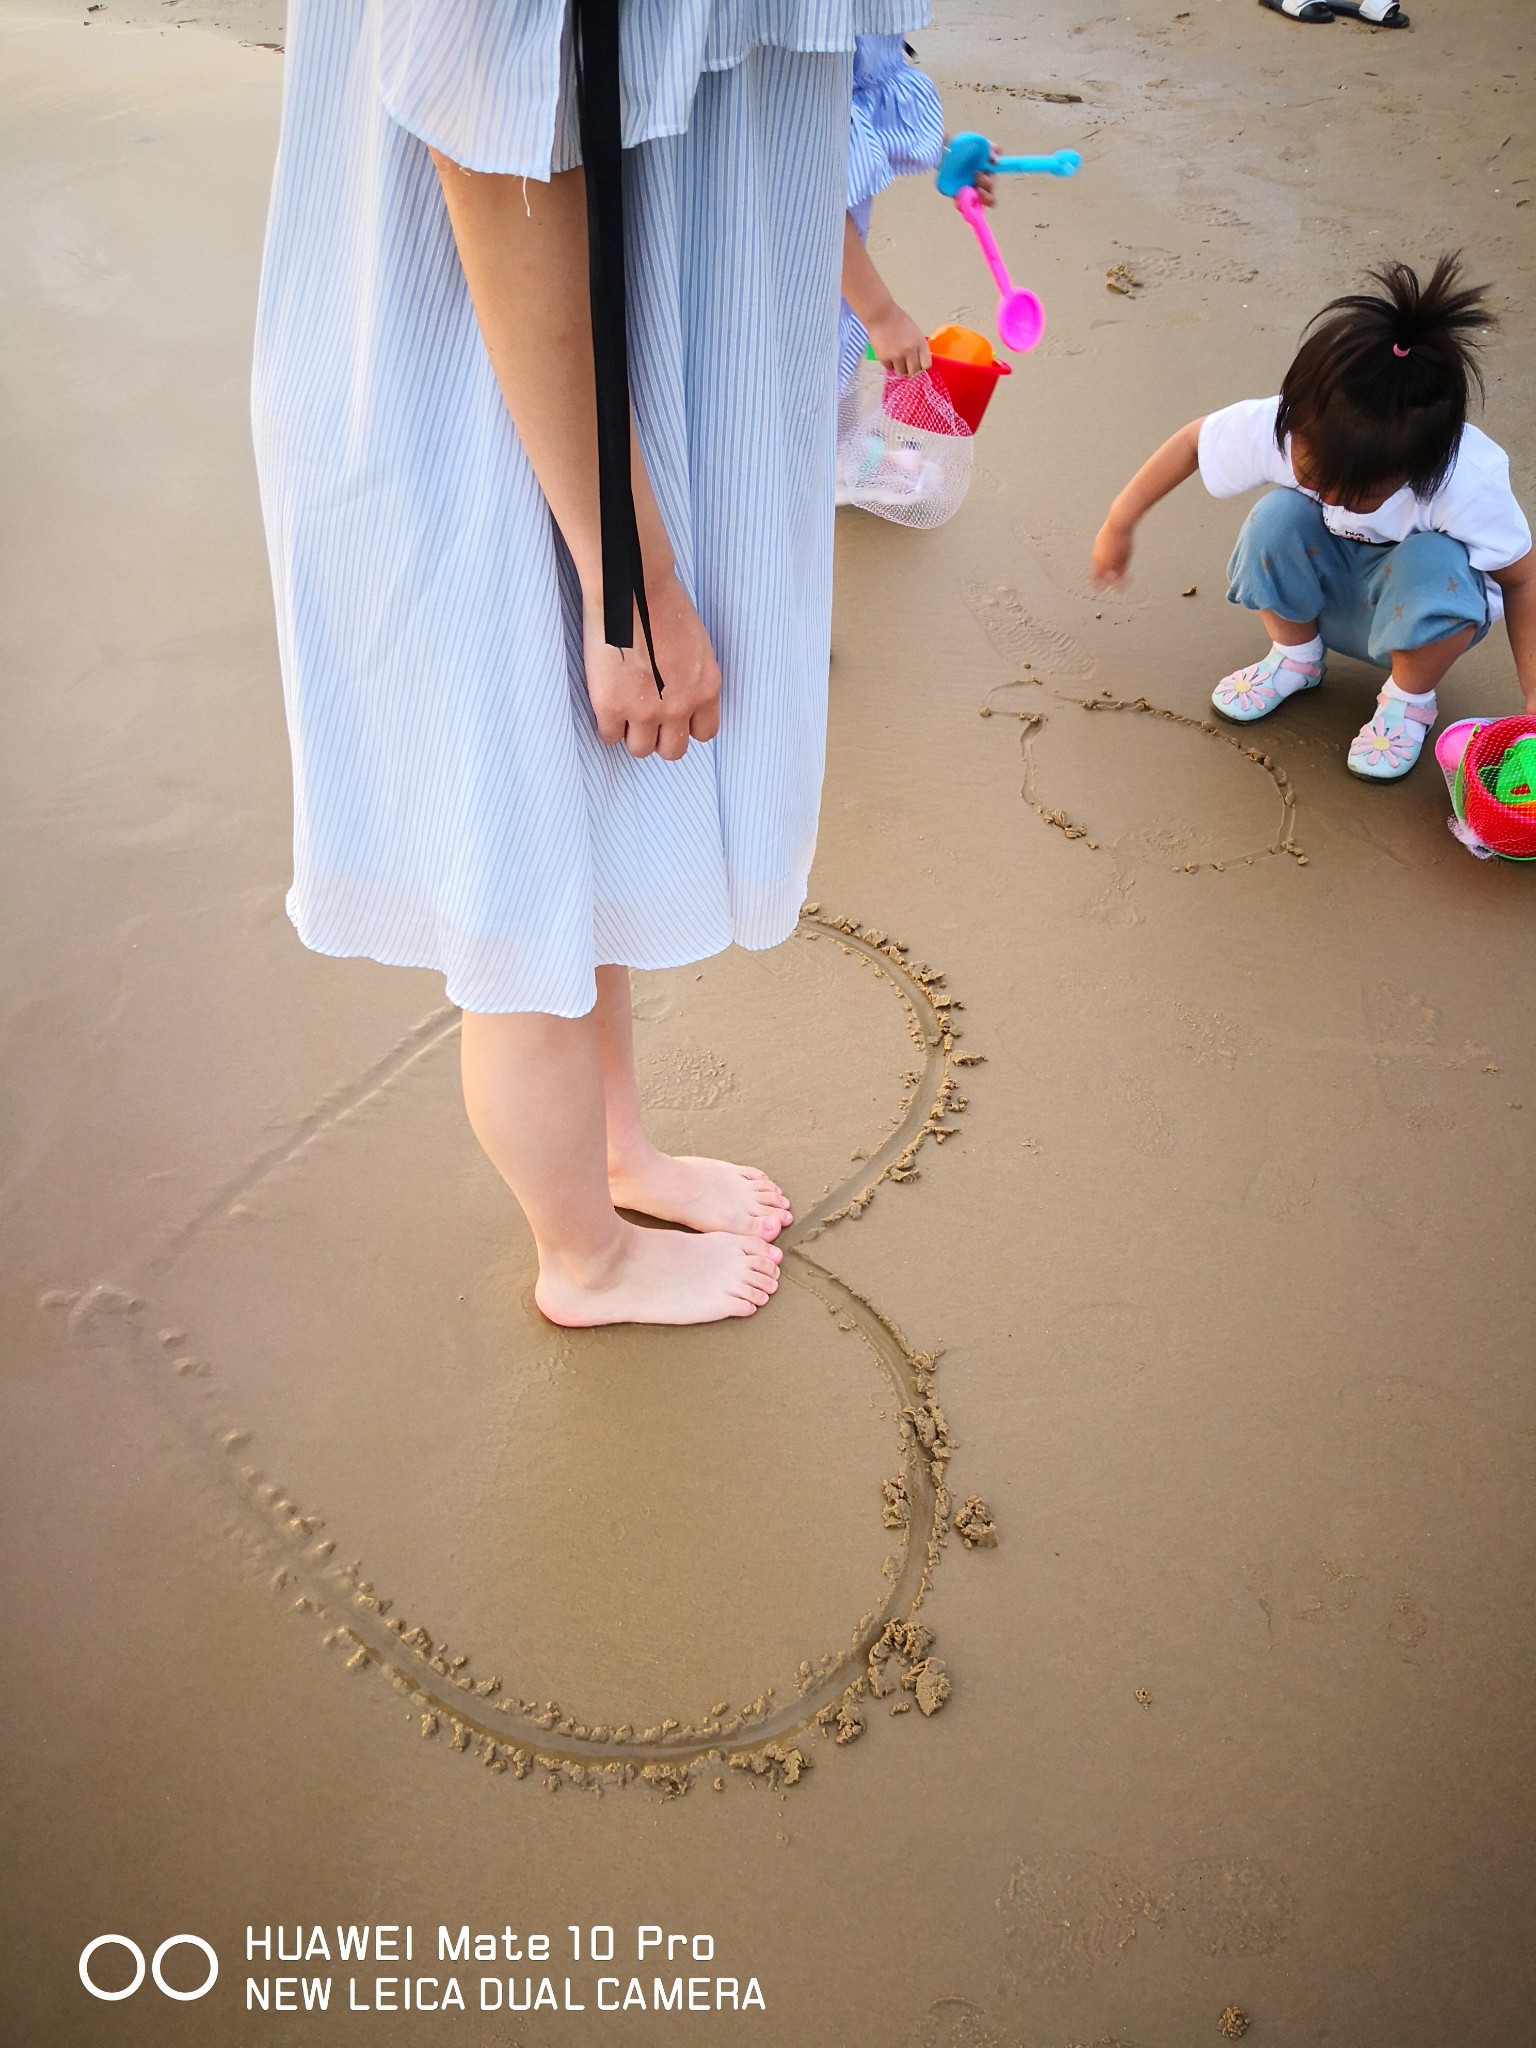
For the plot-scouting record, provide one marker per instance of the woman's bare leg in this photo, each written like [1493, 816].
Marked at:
[533, 1087]
[706, 1194]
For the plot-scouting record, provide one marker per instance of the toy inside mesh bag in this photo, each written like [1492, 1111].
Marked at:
[903, 452]
[1490, 770]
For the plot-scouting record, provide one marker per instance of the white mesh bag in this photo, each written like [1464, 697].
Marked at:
[903, 452]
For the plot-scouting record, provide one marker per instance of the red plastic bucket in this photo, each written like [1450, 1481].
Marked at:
[1509, 827]
[968, 386]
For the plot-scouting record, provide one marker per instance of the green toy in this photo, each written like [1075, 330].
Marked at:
[1514, 777]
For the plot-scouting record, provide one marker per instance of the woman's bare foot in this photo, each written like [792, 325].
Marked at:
[705, 1194]
[663, 1276]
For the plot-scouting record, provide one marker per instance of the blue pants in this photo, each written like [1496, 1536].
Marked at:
[1368, 601]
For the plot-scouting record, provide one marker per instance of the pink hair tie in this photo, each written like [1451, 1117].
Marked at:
[1398, 351]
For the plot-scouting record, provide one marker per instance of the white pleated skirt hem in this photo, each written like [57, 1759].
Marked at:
[497, 977]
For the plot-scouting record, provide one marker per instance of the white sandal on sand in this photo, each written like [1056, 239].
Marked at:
[1390, 741]
[1251, 693]
[1301, 10]
[1380, 13]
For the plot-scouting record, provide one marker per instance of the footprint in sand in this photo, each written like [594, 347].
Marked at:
[886, 1664]
[1207, 214]
[958, 2023]
[962, 2023]
[1299, 1599]
[1059, 345]
[1022, 641]
[1302, 1595]
[1066, 1915]
[685, 1078]
[1411, 1059]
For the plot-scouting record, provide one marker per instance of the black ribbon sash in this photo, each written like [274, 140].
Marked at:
[602, 150]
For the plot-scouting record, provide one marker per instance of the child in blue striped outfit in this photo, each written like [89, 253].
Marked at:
[897, 130]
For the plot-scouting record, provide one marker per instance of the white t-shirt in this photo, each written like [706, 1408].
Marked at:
[1474, 505]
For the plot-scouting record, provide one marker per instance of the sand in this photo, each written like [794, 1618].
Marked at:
[1087, 1607]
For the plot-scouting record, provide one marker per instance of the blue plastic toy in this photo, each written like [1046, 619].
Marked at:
[1020, 316]
[966, 155]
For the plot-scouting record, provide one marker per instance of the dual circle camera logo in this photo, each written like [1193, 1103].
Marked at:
[139, 1966]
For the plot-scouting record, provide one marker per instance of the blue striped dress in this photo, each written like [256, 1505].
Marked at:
[453, 805]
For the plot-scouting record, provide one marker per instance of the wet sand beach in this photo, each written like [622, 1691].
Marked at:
[1157, 1103]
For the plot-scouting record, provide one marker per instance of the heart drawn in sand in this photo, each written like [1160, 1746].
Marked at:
[888, 1655]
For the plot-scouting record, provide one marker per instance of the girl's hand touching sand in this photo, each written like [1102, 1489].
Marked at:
[899, 342]
[621, 682]
[1111, 554]
[1174, 462]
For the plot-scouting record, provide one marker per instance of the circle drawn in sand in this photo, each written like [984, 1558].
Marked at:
[1032, 723]
[888, 1658]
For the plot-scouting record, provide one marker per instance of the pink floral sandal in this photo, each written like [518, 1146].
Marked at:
[1387, 747]
[1253, 692]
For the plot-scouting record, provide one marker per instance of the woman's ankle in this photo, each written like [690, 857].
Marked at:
[629, 1153]
[593, 1263]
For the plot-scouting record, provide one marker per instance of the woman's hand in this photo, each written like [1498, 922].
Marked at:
[621, 683]
[899, 342]
[1111, 553]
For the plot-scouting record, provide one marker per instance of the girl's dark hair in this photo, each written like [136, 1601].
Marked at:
[1378, 390]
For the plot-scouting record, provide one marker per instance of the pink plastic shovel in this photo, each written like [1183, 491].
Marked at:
[1020, 315]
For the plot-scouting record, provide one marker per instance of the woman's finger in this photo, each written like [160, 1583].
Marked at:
[640, 736]
[673, 742]
[705, 722]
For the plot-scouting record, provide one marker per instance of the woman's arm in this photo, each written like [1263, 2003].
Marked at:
[1518, 583]
[1173, 464]
[523, 245]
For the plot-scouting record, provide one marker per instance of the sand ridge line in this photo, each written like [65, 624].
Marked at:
[1033, 721]
[421, 1039]
[890, 1650]
[929, 1019]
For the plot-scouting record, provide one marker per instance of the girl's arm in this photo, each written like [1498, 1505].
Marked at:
[1174, 462]
[1518, 583]
[523, 247]
[895, 336]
